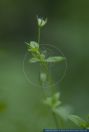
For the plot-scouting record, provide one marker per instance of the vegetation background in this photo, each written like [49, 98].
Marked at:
[67, 29]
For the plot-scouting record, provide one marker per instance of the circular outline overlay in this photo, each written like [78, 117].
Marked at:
[27, 78]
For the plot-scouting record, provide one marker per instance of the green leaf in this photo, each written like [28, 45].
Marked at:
[63, 112]
[34, 44]
[55, 59]
[53, 101]
[34, 60]
[77, 120]
[42, 57]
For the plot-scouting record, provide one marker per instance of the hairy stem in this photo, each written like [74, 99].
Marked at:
[38, 35]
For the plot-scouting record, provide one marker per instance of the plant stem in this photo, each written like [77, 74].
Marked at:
[39, 35]
[45, 65]
[55, 119]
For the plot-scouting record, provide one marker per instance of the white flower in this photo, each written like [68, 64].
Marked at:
[41, 22]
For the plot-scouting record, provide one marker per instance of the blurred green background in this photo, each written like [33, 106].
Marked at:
[67, 29]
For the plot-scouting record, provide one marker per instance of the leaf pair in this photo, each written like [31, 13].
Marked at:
[33, 47]
[49, 59]
[64, 112]
[78, 121]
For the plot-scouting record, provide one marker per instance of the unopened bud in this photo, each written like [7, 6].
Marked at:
[43, 77]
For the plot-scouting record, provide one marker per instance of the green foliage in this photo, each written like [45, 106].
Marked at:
[63, 112]
[33, 46]
[55, 59]
[77, 120]
[53, 101]
[48, 60]
[85, 124]
[33, 60]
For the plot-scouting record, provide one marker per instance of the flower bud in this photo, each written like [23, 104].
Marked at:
[43, 77]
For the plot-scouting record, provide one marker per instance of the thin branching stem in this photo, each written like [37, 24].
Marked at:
[45, 66]
[39, 35]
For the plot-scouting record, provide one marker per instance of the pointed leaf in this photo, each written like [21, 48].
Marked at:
[34, 44]
[55, 59]
[77, 120]
[63, 112]
[34, 60]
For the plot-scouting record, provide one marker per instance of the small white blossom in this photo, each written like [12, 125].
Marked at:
[41, 22]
